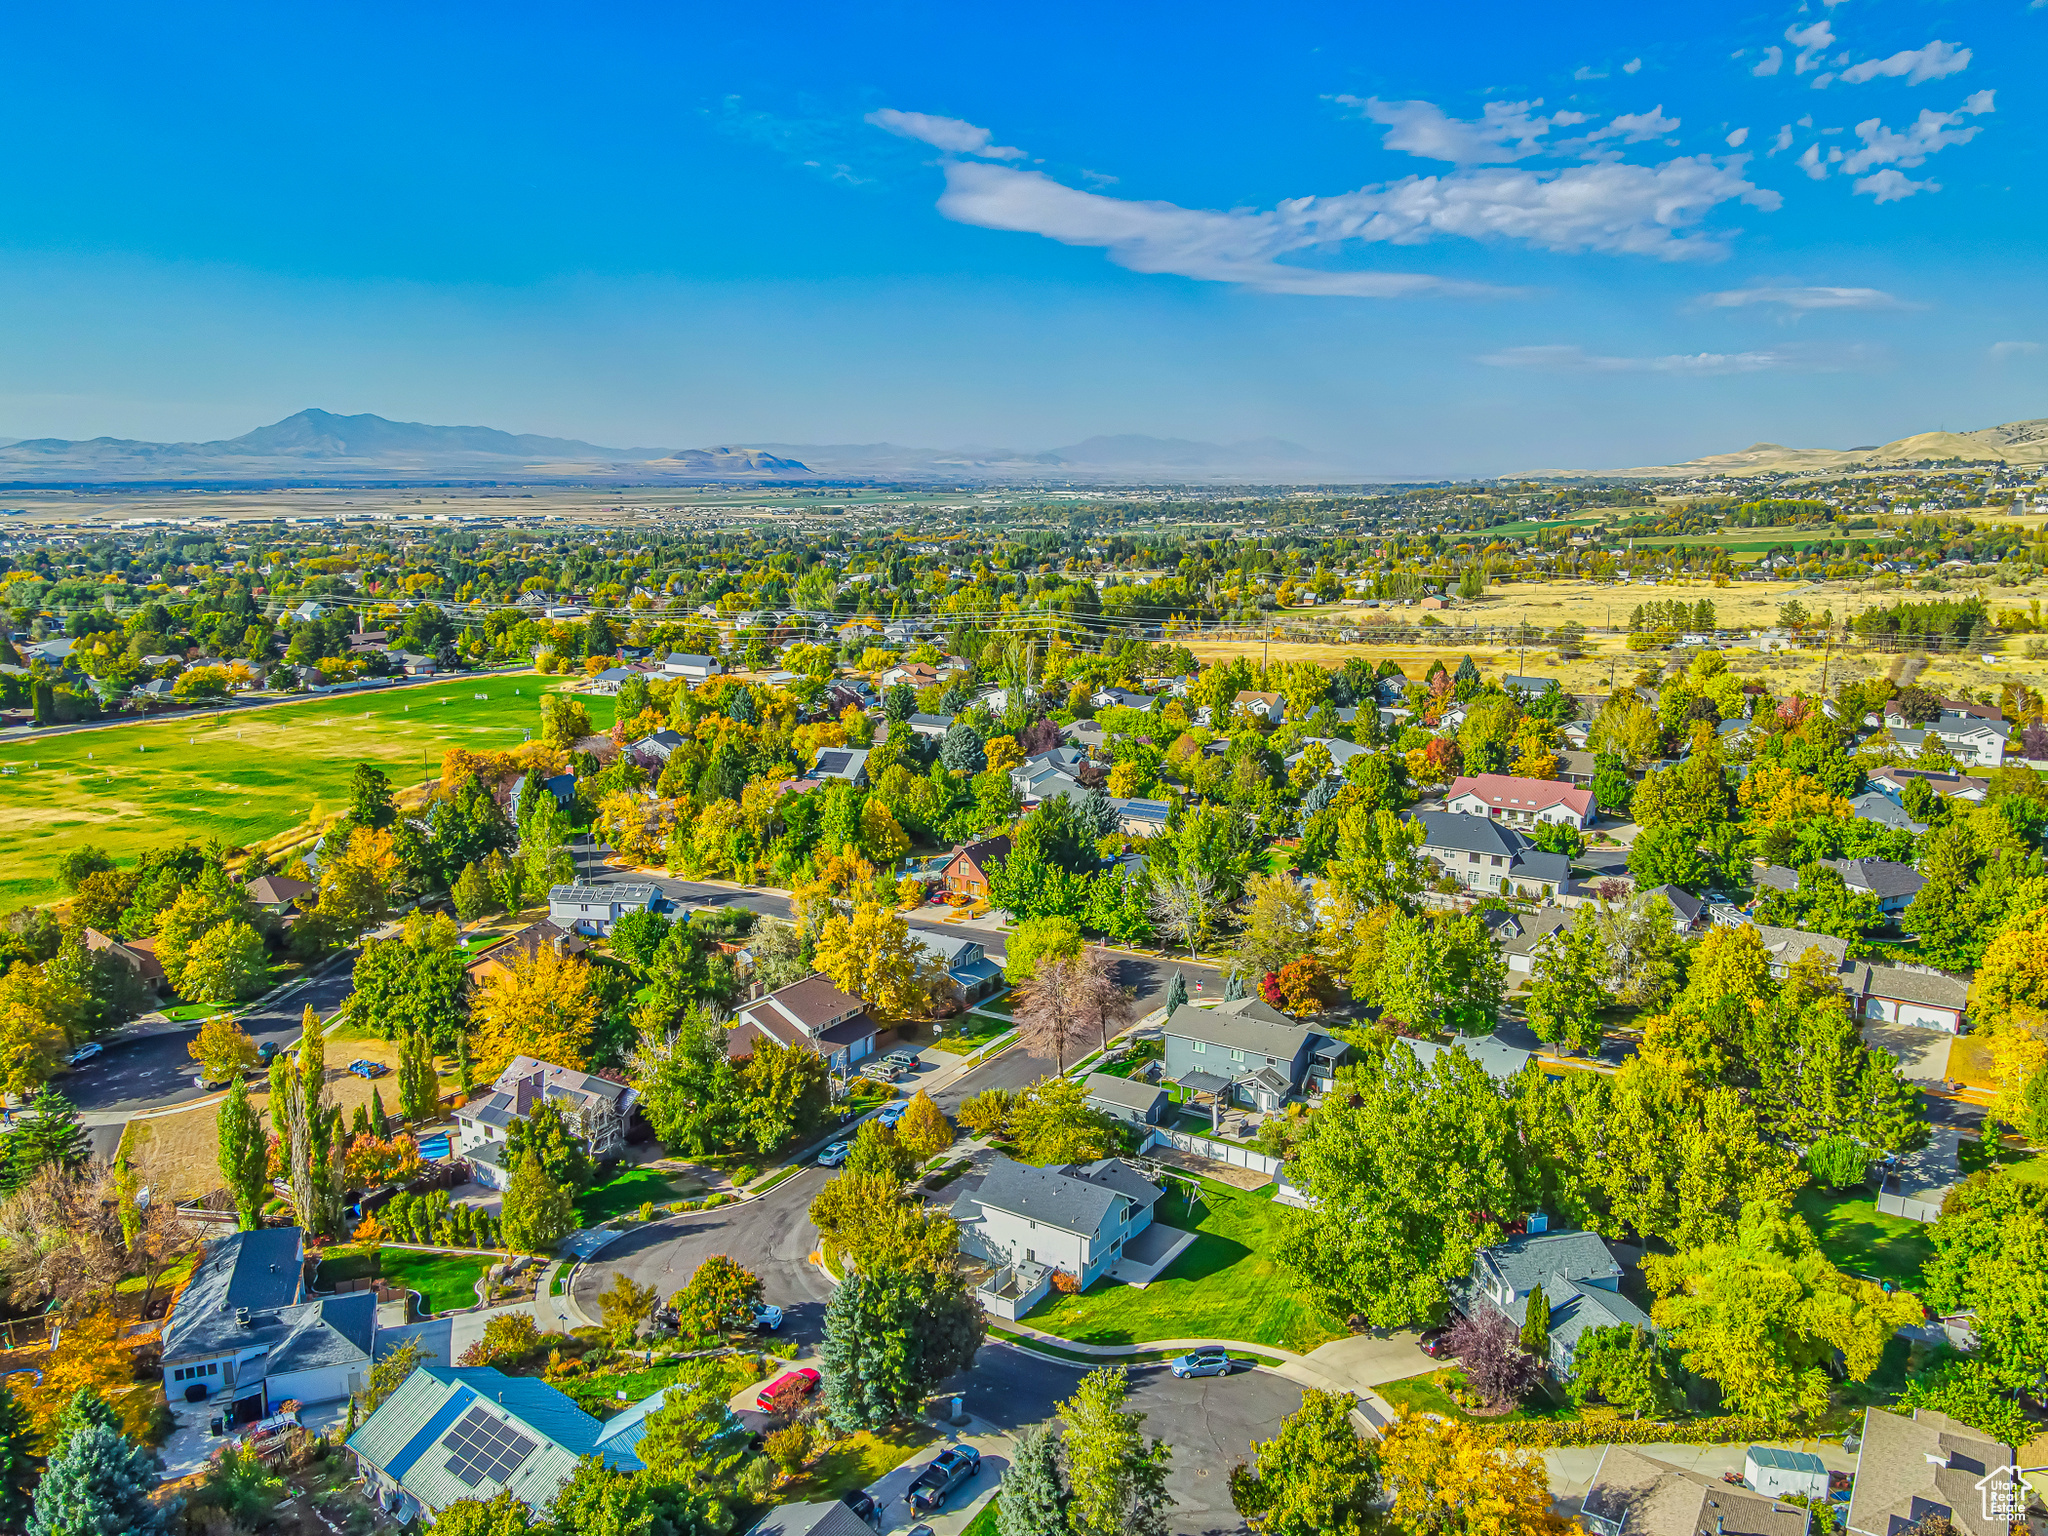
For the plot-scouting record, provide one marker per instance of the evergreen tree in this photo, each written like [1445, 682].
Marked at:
[54, 1134]
[98, 1481]
[360, 1125]
[465, 1081]
[244, 1155]
[370, 802]
[546, 1133]
[1536, 1325]
[890, 1339]
[1176, 994]
[17, 1462]
[538, 1212]
[1033, 1502]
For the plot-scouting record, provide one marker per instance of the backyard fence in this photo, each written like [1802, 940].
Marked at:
[1216, 1151]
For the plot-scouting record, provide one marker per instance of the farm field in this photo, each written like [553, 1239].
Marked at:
[243, 775]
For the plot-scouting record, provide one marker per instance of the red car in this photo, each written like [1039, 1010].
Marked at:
[787, 1389]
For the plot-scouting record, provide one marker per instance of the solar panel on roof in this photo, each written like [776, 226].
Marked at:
[485, 1446]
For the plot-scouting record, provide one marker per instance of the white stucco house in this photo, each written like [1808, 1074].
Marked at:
[1026, 1223]
[594, 1108]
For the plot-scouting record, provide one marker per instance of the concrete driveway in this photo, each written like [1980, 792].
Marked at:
[1370, 1359]
[1922, 1053]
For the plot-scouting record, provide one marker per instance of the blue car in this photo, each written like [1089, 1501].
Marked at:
[1210, 1360]
[889, 1114]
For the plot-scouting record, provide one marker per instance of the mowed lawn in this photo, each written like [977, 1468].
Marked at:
[1864, 1241]
[445, 1281]
[1227, 1284]
[241, 775]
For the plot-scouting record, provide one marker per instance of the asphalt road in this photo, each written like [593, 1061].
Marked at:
[1210, 1422]
[156, 1073]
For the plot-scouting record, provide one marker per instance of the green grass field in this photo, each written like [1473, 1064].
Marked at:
[1226, 1284]
[1861, 1240]
[628, 1192]
[445, 1281]
[243, 776]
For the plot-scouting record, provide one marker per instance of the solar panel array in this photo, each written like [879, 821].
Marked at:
[486, 1446]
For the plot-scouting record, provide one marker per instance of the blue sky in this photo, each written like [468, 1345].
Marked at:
[1419, 240]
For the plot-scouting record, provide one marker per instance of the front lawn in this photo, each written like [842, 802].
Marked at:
[446, 1281]
[1227, 1284]
[1975, 1155]
[968, 1033]
[626, 1191]
[1003, 1005]
[1429, 1393]
[1862, 1240]
[859, 1461]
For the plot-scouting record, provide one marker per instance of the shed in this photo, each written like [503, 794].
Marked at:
[1127, 1099]
[1768, 1469]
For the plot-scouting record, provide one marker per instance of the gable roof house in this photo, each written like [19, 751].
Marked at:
[139, 955]
[1576, 1272]
[1925, 1464]
[594, 1108]
[1249, 1052]
[1496, 1058]
[1637, 1495]
[845, 765]
[1519, 935]
[244, 1335]
[1489, 858]
[1971, 740]
[1894, 885]
[497, 960]
[1522, 802]
[582, 907]
[654, 750]
[1341, 752]
[686, 665]
[965, 874]
[278, 894]
[449, 1434]
[1026, 1223]
[812, 1013]
[969, 971]
[1129, 1099]
[1270, 707]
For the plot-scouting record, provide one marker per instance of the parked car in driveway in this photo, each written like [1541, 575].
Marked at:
[1210, 1360]
[948, 1470]
[835, 1154]
[767, 1317]
[789, 1388]
[364, 1068]
[86, 1053]
[1433, 1343]
[903, 1061]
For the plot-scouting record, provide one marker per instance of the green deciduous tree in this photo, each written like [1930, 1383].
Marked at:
[891, 1338]
[1051, 1122]
[538, 1211]
[1315, 1478]
[1116, 1478]
[244, 1155]
[1565, 992]
[1991, 1258]
[411, 984]
[1625, 1367]
[1441, 973]
[721, 1295]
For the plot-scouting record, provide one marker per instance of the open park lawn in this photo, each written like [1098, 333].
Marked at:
[1227, 1284]
[1862, 1240]
[630, 1189]
[242, 775]
[445, 1281]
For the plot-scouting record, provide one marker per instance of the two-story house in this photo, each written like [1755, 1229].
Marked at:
[1522, 802]
[594, 1108]
[970, 974]
[1972, 741]
[1025, 1223]
[1894, 885]
[811, 1013]
[1341, 752]
[244, 1336]
[1488, 858]
[1577, 1274]
[582, 907]
[966, 871]
[1249, 1053]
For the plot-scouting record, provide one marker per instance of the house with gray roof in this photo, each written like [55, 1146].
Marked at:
[1637, 1495]
[1874, 805]
[1250, 1053]
[1576, 1271]
[1489, 859]
[819, 1518]
[1925, 1463]
[1341, 752]
[1908, 994]
[1499, 1060]
[1519, 935]
[450, 1434]
[1787, 946]
[812, 1014]
[1894, 885]
[1972, 741]
[691, 667]
[969, 972]
[595, 1109]
[244, 1335]
[582, 907]
[1025, 1223]
[1129, 1099]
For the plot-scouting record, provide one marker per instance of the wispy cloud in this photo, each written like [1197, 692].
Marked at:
[1812, 42]
[1802, 298]
[1738, 138]
[1782, 142]
[1890, 186]
[1629, 128]
[1505, 131]
[816, 141]
[1772, 61]
[1578, 360]
[2004, 351]
[1928, 134]
[1936, 61]
[1632, 66]
[948, 133]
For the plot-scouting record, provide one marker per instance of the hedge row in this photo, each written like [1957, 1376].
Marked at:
[1547, 1434]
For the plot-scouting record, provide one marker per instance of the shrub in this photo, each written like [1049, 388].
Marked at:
[1489, 1347]
[1838, 1162]
[1064, 1283]
[746, 1173]
[789, 1448]
[647, 1210]
[1545, 1434]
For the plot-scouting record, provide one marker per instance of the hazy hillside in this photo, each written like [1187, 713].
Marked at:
[2023, 443]
[1126, 456]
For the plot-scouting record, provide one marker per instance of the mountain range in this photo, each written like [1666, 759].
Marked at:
[320, 445]
[2020, 443]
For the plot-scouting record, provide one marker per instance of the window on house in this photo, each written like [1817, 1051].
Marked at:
[1237, 1057]
[1198, 1046]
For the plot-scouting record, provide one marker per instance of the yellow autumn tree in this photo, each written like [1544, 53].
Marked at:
[881, 838]
[1003, 753]
[356, 881]
[1775, 792]
[91, 1354]
[874, 956]
[39, 1010]
[2012, 979]
[1447, 1481]
[541, 1005]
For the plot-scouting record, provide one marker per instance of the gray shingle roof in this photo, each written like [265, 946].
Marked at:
[1524, 1262]
[334, 1330]
[1124, 1092]
[821, 1519]
[1259, 1029]
[1496, 1058]
[1904, 986]
[258, 1270]
[1468, 834]
[1645, 1497]
[1881, 876]
[1048, 1196]
[1787, 945]
[1909, 1462]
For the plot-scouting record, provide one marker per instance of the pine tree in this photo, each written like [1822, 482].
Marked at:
[54, 1134]
[465, 1081]
[244, 1155]
[1176, 994]
[1032, 1501]
[380, 1123]
[98, 1480]
[538, 1212]
[17, 1462]
[1536, 1325]
[360, 1126]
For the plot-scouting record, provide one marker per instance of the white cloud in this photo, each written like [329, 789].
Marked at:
[1631, 66]
[1738, 138]
[1634, 127]
[1608, 207]
[1934, 62]
[1810, 163]
[1928, 134]
[1783, 141]
[946, 133]
[1504, 131]
[1802, 298]
[1811, 42]
[1588, 72]
[1579, 360]
[1770, 63]
[2001, 350]
[1890, 186]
